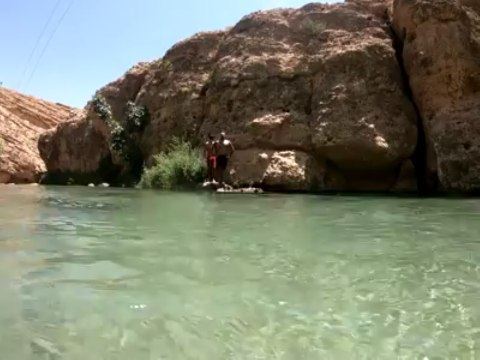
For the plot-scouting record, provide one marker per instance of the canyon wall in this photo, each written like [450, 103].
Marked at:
[22, 120]
[441, 52]
[321, 98]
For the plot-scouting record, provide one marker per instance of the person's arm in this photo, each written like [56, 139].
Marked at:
[232, 148]
[205, 151]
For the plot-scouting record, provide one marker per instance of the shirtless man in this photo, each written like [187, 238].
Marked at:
[224, 151]
[210, 157]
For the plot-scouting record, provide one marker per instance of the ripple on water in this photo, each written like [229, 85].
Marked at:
[131, 275]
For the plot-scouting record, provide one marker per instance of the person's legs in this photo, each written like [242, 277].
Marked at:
[218, 173]
[221, 175]
[209, 171]
[212, 163]
[222, 167]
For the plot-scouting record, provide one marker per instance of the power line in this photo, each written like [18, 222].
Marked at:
[48, 42]
[40, 36]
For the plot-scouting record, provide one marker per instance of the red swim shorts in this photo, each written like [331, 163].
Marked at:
[212, 161]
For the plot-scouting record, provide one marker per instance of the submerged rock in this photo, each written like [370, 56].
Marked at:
[230, 190]
[45, 349]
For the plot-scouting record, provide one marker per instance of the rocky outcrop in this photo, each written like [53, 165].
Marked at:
[325, 97]
[80, 150]
[276, 170]
[22, 120]
[313, 99]
[441, 52]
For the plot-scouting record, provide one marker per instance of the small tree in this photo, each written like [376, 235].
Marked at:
[137, 117]
[102, 108]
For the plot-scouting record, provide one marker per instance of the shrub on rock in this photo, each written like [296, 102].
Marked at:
[180, 167]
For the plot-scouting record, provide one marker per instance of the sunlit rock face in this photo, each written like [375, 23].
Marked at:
[22, 120]
[313, 99]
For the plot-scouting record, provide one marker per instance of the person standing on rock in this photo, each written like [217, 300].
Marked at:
[225, 149]
[210, 148]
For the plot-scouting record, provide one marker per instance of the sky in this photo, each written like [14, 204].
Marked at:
[89, 43]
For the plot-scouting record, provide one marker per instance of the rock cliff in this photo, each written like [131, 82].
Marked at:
[441, 52]
[22, 120]
[325, 97]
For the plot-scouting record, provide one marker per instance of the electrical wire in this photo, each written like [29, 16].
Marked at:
[48, 41]
[37, 43]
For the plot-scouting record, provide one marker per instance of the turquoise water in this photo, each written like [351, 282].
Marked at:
[125, 274]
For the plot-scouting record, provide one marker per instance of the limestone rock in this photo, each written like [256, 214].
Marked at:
[77, 147]
[380, 8]
[317, 89]
[22, 119]
[441, 51]
[273, 170]
[292, 170]
[80, 149]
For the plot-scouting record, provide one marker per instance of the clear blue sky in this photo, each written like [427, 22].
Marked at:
[98, 40]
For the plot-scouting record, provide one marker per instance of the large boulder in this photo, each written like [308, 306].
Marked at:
[80, 150]
[276, 170]
[22, 119]
[441, 52]
[318, 89]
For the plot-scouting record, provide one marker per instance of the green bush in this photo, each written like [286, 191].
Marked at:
[166, 65]
[137, 117]
[180, 167]
[124, 134]
[102, 108]
[118, 141]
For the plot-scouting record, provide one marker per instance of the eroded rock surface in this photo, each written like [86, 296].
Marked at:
[80, 150]
[22, 120]
[313, 99]
[441, 52]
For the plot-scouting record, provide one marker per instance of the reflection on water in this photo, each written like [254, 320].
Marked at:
[124, 274]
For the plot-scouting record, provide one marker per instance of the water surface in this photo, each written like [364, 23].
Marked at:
[126, 274]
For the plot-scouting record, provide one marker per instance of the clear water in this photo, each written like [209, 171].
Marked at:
[125, 274]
